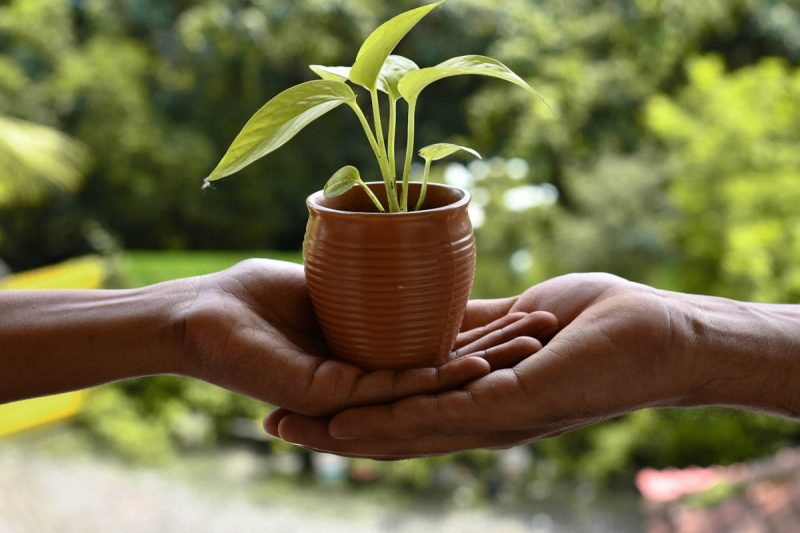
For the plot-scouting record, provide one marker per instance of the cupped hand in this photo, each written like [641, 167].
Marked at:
[615, 352]
[252, 329]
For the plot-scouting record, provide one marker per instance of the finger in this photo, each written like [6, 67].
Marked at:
[510, 353]
[486, 404]
[317, 386]
[273, 419]
[467, 337]
[418, 415]
[481, 312]
[539, 324]
[383, 386]
[313, 433]
[500, 401]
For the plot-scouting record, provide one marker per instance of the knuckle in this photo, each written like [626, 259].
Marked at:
[327, 388]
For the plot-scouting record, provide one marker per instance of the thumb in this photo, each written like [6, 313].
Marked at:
[482, 312]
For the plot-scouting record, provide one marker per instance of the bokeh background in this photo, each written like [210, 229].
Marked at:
[671, 156]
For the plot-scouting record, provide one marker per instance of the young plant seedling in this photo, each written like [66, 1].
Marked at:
[376, 71]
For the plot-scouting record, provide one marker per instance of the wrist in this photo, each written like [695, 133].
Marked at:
[56, 341]
[172, 302]
[140, 329]
[739, 354]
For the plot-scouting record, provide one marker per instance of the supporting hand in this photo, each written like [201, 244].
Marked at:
[622, 346]
[252, 329]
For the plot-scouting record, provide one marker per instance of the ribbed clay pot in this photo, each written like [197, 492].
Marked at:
[390, 289]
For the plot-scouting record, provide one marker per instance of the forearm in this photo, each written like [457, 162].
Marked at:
[741, 354]
[56, 341]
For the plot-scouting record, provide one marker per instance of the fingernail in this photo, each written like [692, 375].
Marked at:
[285, 433]
[268, 427]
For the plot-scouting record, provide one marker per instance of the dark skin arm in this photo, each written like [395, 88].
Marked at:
[250, 329]
[621, 346]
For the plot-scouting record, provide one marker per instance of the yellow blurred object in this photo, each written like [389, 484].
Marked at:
[19, 416]
[82, 273]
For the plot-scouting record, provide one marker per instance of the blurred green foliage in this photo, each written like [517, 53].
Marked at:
[670, 158]
[139, 268]
[733, 141]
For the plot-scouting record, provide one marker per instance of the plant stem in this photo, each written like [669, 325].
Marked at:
[388, 177]
[393, 206]
[424, 188]
[376, 118]
[412, 107]
[390, 142]
[372, 196]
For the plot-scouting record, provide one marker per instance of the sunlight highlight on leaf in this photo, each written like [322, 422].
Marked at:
[331, 73]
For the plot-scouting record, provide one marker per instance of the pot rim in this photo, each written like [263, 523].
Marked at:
[312, 201]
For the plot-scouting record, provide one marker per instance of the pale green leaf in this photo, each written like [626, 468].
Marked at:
[279, 120]
[342, 181]
[380, 43]
[435, 152]
[415, 81]
[392, 72]
[331, 73]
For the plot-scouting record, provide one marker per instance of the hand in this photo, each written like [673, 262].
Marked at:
[616, 352]
[252, 329]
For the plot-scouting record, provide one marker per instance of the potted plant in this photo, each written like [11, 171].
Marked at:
[389, 264]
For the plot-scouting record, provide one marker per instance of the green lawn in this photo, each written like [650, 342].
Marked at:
[147, 267]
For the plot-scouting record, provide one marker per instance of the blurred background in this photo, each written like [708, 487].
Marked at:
[671, 157]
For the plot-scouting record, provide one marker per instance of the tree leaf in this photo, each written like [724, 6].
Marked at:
[331, 73]
[342, 181]
[380, 43]
[279, 120]
[435, 152]
[392, 72]
[415, 81]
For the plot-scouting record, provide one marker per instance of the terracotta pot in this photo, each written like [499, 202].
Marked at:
[390, 289]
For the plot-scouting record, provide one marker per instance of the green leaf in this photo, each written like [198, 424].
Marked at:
[435, 152]
[393, 70]
[414, 82]
[331, 73]
[342, 181]
[279, 120]
[381, 42]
